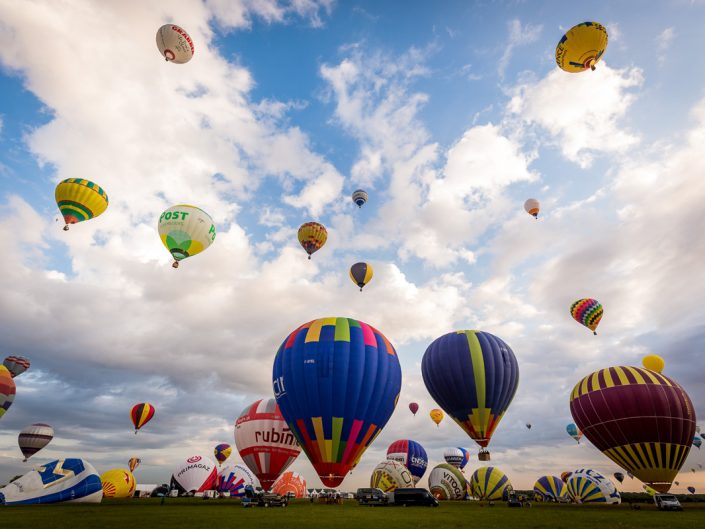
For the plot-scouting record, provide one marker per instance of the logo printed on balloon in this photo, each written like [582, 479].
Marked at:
[194, 459]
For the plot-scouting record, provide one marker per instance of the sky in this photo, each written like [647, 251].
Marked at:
[450, 114]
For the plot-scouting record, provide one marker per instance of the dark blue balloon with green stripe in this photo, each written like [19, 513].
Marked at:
[473, 376]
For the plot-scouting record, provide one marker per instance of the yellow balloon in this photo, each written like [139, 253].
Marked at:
[653, 363]
[581, 47]
[79, 199]
[436, 416]
[118, 483]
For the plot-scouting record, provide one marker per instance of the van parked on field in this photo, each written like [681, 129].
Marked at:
[369, 496]
[412, 496]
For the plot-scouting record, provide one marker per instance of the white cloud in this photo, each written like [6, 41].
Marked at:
[519, 35]
[239, 13]
[581, 112]
[663, 43]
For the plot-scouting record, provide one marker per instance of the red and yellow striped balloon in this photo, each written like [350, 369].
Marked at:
[312, 236]
[141, 414]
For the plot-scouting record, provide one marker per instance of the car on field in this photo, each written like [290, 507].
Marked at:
[254, 498]
[370, 496]
[406, 497]
[667, 502]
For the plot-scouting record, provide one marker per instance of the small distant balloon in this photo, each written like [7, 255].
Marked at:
[141, 414]
[532, 207]
[79, 199]
[528, 426]
[587, 312]
[619, 476]
[436, 416]
[33, 438]
[174, 44]
[414, 407]
[574, 431]
[16, 365]
[653, 363]
[222, 452]
[185, 231]
[133, 463]
[582, 47]
[312, 236]
[361, 274]
[359, 197]
[697, 442]
[691, 490]
[676, 483]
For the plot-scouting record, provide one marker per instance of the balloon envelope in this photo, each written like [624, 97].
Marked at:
[489, 483]
[697, 442]
[653, 362]
[361, 274]
[565, 476]
[589, 486]
[456, 456]
[447, 483]
[80, 200]
[473, 376]
[640, 419]
[410, 454]
[195, 474]
[574, 431]
[141, 414]
[33, 438]
[133, 463]
[7, 390]
[222, 452]
[185, 231]
[581, 47]
[691, 490]
[266, 443]
[532, 207]
[619, 476]
[414, 407]
[390, 475]
[436, 415]
[70, 480]
[174, 44]
[551, 488]
[16, 365]
[118, 483]
[337, 382]
[290, 483]
[312, 236]
[234, 479]
[359, 197]
[587, 312]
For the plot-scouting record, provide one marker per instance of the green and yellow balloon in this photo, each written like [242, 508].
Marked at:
[79, 199]
[185, 231]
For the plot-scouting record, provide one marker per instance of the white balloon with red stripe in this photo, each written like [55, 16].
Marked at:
[195, 474]
[174, 44]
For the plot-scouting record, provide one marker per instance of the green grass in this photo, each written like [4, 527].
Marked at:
[221, 514]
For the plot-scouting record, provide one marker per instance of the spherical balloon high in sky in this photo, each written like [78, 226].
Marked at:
[185, 231]
[574, 431]
[361, 274]
[174, 44]
[640, 419]
[532, 207]
[222, 452]
[312, 236]
[33, 438]
[436, 416]
[337, 382]
[79, 199]
[413, 407]
[141, 414]
[581, 47]
[473, 376]
[587, 312]
[359, 197]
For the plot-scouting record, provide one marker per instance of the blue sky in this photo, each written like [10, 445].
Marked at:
[451, 114]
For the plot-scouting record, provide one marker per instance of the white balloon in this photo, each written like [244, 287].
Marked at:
[195, 474]
[174, 44]
[234, 479]
[390, 475]
[447, 483]
[589, 486]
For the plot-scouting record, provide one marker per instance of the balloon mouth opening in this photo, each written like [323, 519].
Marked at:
[590, 63]
[169, 55]
[175, 264]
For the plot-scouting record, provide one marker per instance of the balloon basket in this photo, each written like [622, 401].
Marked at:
[484, 455]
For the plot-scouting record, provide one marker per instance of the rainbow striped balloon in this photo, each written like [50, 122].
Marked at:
[588, 312]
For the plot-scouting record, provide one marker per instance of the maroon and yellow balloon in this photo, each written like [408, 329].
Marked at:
[640, 419]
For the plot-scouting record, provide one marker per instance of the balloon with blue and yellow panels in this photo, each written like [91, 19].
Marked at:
[185, 231]
[550, 488]
[489, 483]
[79, 199]
[582, 47]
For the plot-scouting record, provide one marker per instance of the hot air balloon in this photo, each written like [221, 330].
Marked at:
[185, 231]
[649, 490]
[654, 363]
[361, 274]
[234, 479]
[528, 426]
[456, 456]
[447, 483]
[174, 44]
[565, 476]
[133, 463]
[691, 490]
[33, 438]
[222, 452]
[692, 470]
[531, 206]
[265, 441]
[80, 200]
[141, 414]
[290, 483]
[640, 419]
[619, 476]
[581, 47]
[16, 365]
[473, 376]
[414, 407]
[410, 454]
[550, 488]
[574, 432]
[676, 483]
[390, 475]
[312, 236]
[118, 483]
[359, 197]
[588, 312]
[69, 479]
[697, 442]
[589, 486]
[195, 474]
[489, 483]
[337, 382]
[7, 390]
[436, 416]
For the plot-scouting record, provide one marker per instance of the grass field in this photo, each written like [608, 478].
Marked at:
[221, 514]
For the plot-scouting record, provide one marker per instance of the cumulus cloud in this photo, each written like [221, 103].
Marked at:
[519, 35]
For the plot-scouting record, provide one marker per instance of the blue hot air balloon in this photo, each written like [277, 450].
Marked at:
[697, 442]
[473, 376]
[337, 382]
[410, 454]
